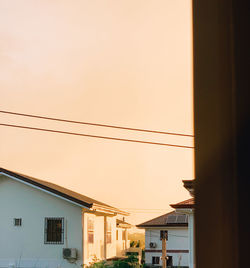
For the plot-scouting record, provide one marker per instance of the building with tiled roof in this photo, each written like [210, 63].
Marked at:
[188, 207]
[176, 226]
[47, 226]
[179, 225]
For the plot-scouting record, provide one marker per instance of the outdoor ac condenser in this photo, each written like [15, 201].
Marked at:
[69, 253]
[152, 245]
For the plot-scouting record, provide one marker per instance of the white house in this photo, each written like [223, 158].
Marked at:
[187, 207]
[45, 225]
[176, 226]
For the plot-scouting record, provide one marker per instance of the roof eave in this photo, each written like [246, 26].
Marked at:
[107, 209]
[127, 226]
[162, 226]
[85, 205]
[176, 206]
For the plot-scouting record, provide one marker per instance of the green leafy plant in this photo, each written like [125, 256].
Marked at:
[130, 261]
[132, 243]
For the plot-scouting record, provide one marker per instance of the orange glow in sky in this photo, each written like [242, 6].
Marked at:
[120, 62]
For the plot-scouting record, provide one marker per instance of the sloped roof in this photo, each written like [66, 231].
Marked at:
[166, 220]
[189, 203]
[123, 224]
[75, 197]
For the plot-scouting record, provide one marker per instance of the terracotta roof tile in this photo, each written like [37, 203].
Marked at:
[189, 203]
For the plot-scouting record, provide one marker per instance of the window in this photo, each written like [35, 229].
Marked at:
[155, 260]
[109, 233]
[117, 235]
[169, 261]
[54, 231]
[90, 231]
[17, 222]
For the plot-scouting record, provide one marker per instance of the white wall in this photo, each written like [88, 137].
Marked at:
[191, 240]
[96, 250]
[177, 240]
[26, 243]
[121, 245]
[111, 248]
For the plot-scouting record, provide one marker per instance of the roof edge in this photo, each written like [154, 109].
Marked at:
[182, 206]
[44, 188]
[188, 203]
[110, 209]
[145, 223]
[163, 226]
[36, 184]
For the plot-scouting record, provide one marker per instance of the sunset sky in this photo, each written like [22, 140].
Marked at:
[119, 62]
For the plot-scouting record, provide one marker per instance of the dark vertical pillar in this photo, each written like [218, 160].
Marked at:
[222, 132]
[241, 28]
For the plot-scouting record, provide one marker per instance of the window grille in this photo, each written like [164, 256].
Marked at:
[90, 231]
[54, 231]
[17, 222]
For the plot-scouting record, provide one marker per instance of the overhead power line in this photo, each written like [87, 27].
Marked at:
[95, 124]
[96, 136]
[158, 236]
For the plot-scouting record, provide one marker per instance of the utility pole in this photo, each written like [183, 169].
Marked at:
[164, 237]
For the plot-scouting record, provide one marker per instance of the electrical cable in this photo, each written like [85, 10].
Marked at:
[95, 124]
[96, 136]
[158, 236]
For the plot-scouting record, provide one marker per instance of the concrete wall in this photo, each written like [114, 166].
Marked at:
[177, 241]
[25, 244]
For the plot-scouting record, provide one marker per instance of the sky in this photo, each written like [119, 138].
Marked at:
[119, 62]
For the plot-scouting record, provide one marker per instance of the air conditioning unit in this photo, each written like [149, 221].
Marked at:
[152, 245]
[69, 253]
